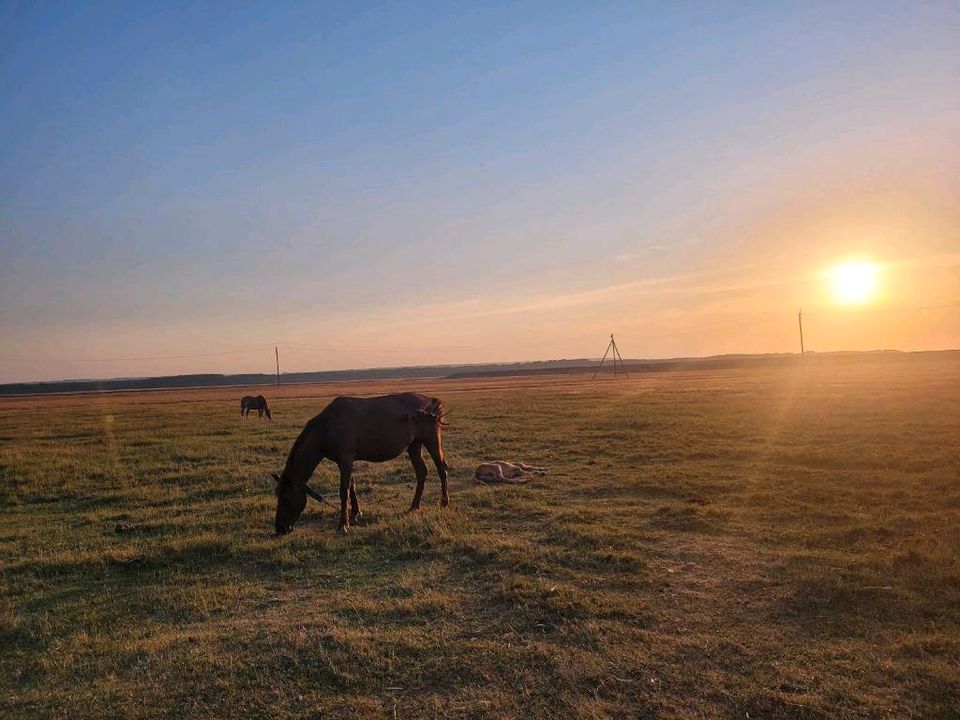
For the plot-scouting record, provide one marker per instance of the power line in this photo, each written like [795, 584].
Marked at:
[261, 348]
[413, 348]
[882, 309]
[418, 348]
[143, 357]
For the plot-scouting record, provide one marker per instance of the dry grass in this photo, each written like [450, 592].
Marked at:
[729, 544]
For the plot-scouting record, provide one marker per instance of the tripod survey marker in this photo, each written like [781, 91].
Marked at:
[614, 353]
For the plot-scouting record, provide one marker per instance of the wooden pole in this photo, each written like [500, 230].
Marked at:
[623, 367]
[800, 324]
[276, 352]
[602, 359]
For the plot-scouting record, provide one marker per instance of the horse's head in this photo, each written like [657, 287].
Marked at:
[291, 500]
[267, 411]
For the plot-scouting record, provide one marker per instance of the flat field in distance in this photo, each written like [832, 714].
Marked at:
[740, 543]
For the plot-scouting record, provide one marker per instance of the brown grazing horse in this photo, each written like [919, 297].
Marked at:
[258, 403]
[349, 429]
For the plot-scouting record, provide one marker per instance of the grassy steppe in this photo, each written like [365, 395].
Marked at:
[756, 543]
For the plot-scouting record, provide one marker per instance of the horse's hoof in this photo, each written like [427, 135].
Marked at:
[354, 518]
[414, 508]
[343, 529]
[445, 502]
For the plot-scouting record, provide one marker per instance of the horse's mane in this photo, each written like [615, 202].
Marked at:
[311, 425]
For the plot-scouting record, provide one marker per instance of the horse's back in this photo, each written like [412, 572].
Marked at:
[380, 428]
[382, 404]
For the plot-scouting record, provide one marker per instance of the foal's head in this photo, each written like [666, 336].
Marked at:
[291, 500]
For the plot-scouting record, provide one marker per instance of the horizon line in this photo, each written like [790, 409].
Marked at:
[501, 364]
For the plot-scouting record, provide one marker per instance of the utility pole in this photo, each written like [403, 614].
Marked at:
[611, 346]
[800, 324]
[613, 342]
[276, 352]
[613, 355]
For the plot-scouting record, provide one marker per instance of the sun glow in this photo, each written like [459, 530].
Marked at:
[854, 283]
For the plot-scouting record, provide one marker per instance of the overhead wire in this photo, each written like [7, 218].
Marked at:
[405, 349]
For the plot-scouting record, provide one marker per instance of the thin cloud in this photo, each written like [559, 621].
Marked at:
[647, 250]
[477, 308]
[640, 253]
[694, 283]
[939, 260]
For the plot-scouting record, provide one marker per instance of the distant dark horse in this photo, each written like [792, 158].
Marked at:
[258, 403]
[374, 429]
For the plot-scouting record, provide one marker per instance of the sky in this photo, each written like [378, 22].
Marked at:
[185, 185]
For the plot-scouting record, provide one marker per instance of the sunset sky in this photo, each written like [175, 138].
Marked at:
[182, 186]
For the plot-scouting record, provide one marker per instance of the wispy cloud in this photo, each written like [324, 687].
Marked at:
[639, 253]
[486, 307]
[940, 260]
[647, 250]
[742, 278]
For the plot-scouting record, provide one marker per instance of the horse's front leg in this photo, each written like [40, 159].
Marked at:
[415, 451]
[436, 453]
[346, 470]
[355, 513]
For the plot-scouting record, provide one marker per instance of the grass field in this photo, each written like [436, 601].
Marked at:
[762, 544]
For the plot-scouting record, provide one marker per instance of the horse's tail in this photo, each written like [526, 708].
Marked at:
[437, 411]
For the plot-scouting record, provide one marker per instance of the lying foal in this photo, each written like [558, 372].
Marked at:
[501, 471]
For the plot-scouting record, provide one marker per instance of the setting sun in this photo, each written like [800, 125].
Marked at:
[854, 282]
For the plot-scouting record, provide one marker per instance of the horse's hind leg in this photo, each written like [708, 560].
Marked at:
[436, 453]
[420, 468]
[346, 472]
[355, 513]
